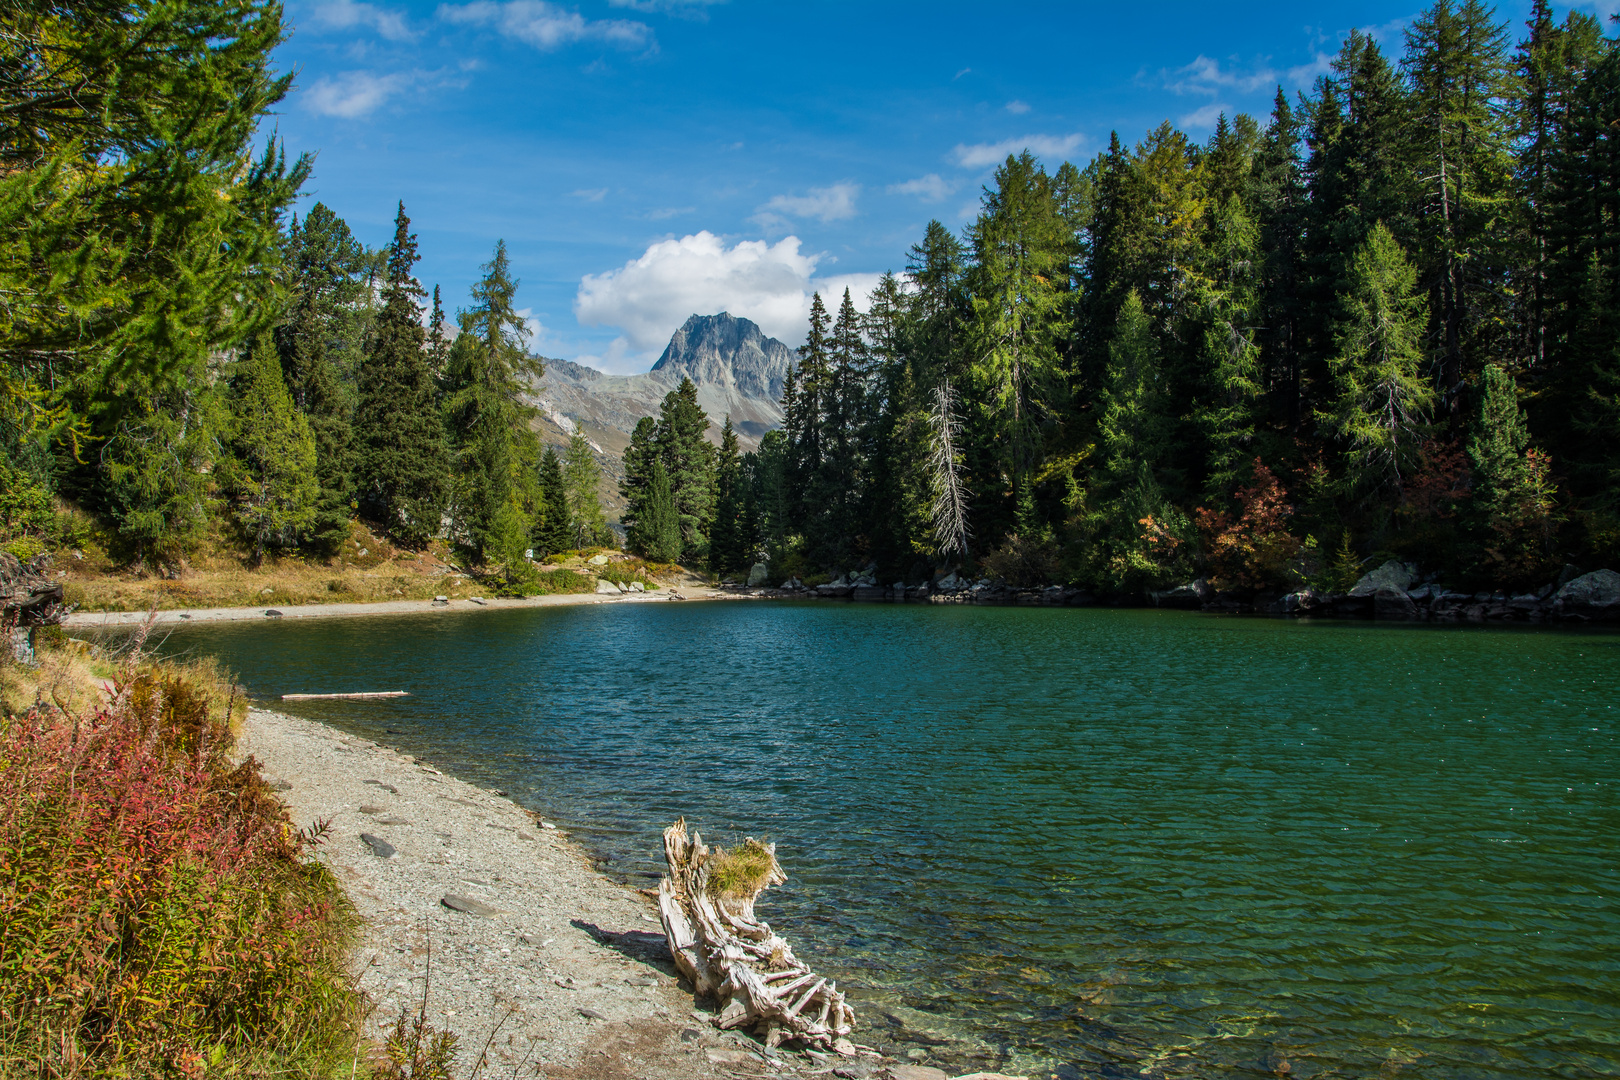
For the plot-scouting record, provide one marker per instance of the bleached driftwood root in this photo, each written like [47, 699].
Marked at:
[735, 957]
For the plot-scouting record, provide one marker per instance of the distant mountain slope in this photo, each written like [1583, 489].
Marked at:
[737, 369]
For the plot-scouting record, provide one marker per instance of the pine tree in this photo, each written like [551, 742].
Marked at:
[837, 486]
[1512, 503]
[1457, 68]
[400, 466]
[554, 530]
[581, 475]
[1228, 413]
[688, 460]
[489, 372]
[1278, 193]
[155, 467]
[637, 479]
[728, 541]
[1380, 410]
[319, 346]
[660, 522]
[804, 406]
[270, 474]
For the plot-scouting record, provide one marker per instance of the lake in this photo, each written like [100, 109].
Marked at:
[1089, 842]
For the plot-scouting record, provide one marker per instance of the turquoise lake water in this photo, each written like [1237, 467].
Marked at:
[1086, 842]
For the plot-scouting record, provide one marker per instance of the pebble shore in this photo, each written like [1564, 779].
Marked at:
[558, 971]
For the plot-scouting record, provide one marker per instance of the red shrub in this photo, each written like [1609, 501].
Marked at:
[1254, 550]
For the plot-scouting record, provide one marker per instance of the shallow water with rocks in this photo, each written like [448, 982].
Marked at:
[1087, 842]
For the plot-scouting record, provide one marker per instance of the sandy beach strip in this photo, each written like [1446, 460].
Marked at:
[91, 619]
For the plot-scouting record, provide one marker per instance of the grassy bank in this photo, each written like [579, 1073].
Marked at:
[162, 916]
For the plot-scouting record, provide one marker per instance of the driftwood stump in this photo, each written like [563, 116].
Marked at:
[707, 906]
[27, 596]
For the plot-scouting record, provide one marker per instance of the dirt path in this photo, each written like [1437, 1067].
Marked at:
[569, 971]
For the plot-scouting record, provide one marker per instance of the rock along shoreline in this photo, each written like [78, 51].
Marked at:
[516, 941]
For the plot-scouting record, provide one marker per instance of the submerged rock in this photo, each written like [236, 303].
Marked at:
[1194, 594]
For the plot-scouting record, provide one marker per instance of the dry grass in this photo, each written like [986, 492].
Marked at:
[740, 874]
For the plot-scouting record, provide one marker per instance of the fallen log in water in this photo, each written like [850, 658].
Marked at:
[368, 694]
[707, 907]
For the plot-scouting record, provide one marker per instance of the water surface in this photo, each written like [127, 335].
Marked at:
[1097, 843]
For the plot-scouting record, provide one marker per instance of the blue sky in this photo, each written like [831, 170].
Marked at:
[648, 159]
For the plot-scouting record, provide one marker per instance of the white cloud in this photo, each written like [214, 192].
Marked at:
[978, 155]
[347, 14]
[353, 93]
[692, 9]
[1018, 108]
[547, 26]
[1207, 76]
[833, 203]
[1206, 116]
[929, 188]
[651, 296]
[590, 194]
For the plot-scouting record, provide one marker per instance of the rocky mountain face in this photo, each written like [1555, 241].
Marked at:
[737, 369]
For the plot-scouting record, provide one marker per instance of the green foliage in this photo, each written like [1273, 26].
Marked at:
[401, 474]
[270, 473]
[581, 477]
[659, 532]
[553, 530]
[1380, 408]
[156, 465]
[25, 511]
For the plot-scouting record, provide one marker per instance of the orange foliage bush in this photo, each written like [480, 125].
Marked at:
[1254, 549]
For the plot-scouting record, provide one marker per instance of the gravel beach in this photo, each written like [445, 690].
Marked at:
[562, 973]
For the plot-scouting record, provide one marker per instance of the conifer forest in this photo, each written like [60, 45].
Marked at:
[1383, 321]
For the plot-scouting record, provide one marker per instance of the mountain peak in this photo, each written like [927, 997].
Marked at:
[727, 352]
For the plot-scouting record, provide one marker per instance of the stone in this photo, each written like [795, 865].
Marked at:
[950, 583]
[603, 585]
[898, 590]
[792, 583]
[917, 1072]
[598, 560]
[371, 809]
[267, 591]
[917, 1053]
[1393, 605]
[1194, 594]
[468, 905]
[390, 788]
[272, 614]
[1568, 574]
[721, 1056]
[756, 575]
[441, 599]
[591, 1014]
[843, 1047]
[1392, 575]
[990, 1076]
[479, 600]
[1591, 595]
[1299, 602]
[854, 1072]
[690, 1034]
[379, 847]
[636, 586]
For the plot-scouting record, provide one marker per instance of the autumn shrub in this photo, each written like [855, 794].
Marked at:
[1024, 563]
[1251, 548]
[160, 913]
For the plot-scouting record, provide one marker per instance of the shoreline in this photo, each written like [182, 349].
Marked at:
[533, 950]
[92, 619]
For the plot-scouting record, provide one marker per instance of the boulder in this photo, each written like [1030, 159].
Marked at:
[835, 588]
[1194, 594]
[603, 585]
[1594, 596]
[598, 560]
[757, 574]
[28, 597]
[1393, 605]
[950, 583]
[792, 584]
[636, 586]
[1392, 575]
[1300, 602]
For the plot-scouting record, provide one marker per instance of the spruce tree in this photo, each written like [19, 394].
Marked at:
[1228, 413]
[637, 479]
[660, 522]
[688, 460]
[270, 475]
[1512, 505]
[319, 346]
[727, 542]
[554, 531]
[400, 466]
